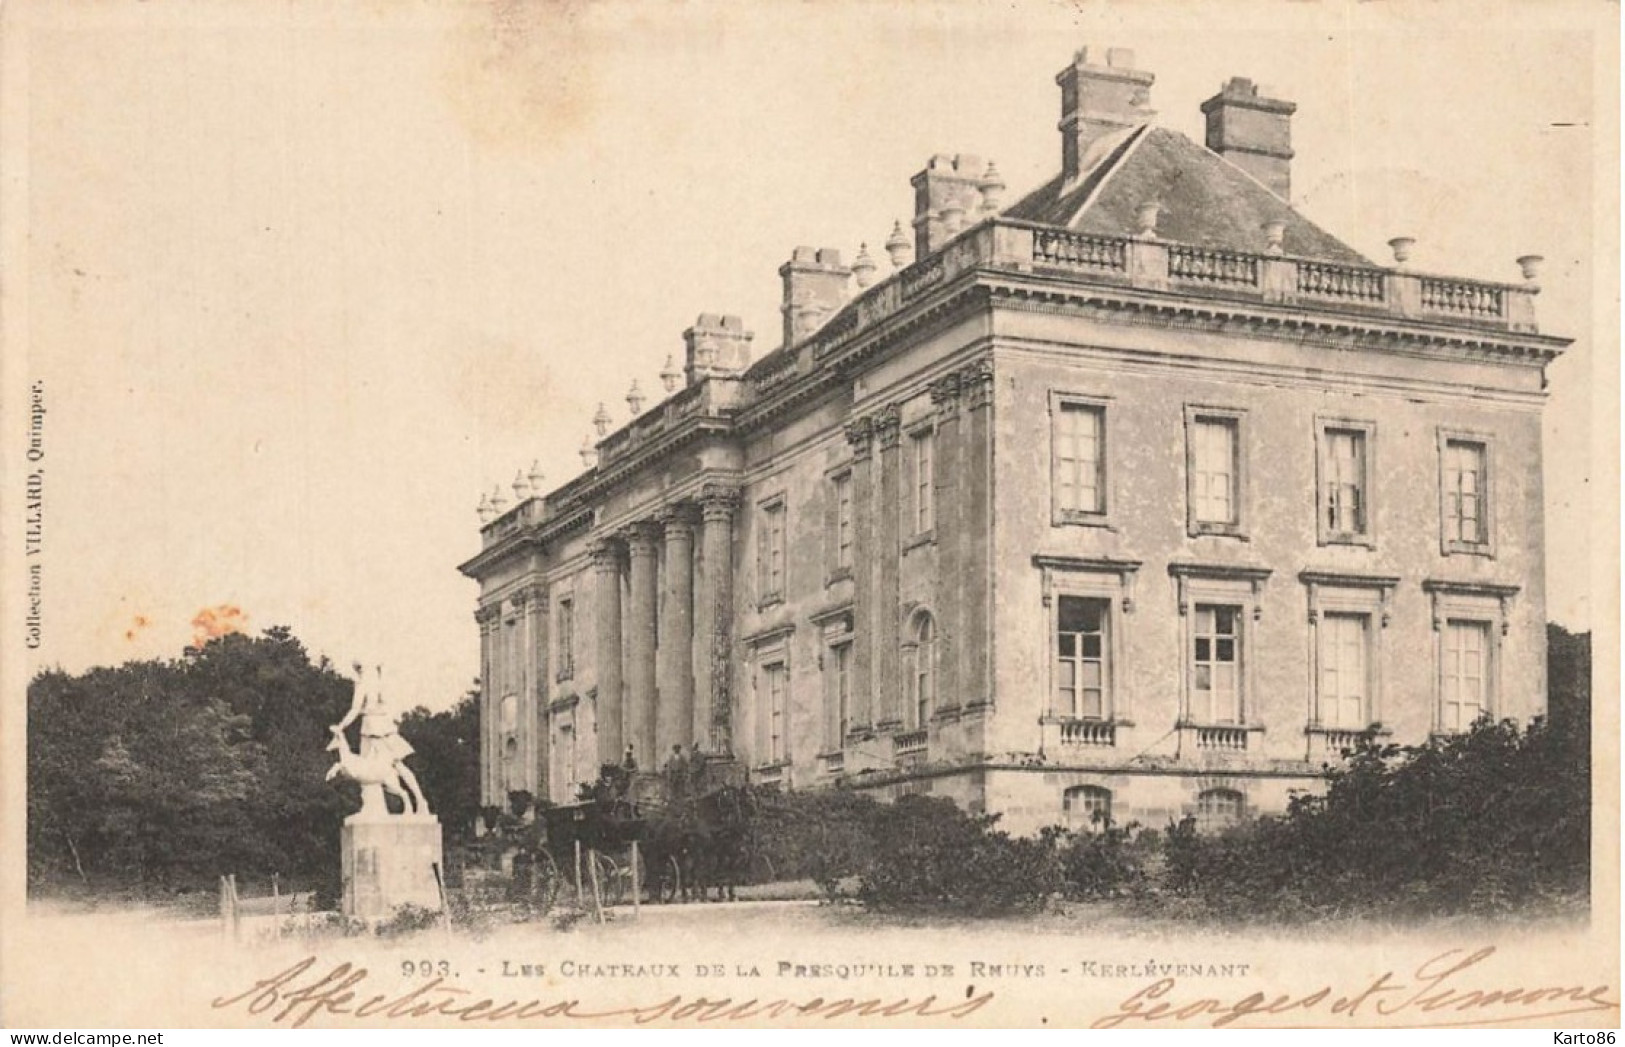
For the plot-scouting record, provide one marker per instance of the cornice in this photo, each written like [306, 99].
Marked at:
[1182, 309]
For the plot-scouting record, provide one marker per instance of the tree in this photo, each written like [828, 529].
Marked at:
[159, 774]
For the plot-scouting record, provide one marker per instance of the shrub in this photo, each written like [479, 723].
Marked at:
[1488, 822]
[825, 835]
[407, 919]
[929, 854]
[1110, 862]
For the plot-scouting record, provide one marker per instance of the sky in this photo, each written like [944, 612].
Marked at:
[301, 281]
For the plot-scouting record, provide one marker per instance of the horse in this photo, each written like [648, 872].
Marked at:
[724, 840]
[375, 773]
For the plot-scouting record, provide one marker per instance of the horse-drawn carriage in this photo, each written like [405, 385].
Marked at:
[674, 835]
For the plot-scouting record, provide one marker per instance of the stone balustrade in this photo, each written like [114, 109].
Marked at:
[909, 743]
[1226, 739]
[1089, 733]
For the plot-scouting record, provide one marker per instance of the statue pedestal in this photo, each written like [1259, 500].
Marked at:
[390, 860]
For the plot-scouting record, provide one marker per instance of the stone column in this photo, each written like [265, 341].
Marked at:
[950, 530]
[713, 707]
[490, 745]
[518, 657]
[606, 562]
[860, 434]
[674, 719]
[643, 548]
[535, 711]
[888, 680]
[976, 665]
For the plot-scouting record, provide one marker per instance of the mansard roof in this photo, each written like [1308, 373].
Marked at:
[1206, 200]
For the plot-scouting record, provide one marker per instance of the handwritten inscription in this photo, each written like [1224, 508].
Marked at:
[1440, 986]
[294, 997]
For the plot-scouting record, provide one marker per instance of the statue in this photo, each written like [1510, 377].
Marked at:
[379, 766]
[388, 860]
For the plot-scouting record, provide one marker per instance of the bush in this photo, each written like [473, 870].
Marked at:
[407, 919]
[1111, 862]
[929, 854]
[1489, 822]
[825, 835]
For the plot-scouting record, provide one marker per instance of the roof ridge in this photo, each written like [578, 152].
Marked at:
[1116, 158]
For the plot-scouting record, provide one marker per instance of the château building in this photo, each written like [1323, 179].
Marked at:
[1140, 493]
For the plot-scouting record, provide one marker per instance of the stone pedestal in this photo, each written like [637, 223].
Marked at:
[389, 861]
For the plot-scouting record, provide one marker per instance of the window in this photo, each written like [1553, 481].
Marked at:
[1081, 657]
[1340, 702]
[775, 678]
[1213, 460]
[1348, 613]
[1079, 456]
[1216, 665]
[567, 738]
[923, 686]
[842, 538]
[1088, 808]
[1219, 809]
[840, 693]
[1464, 501]
[923, 447]
[1464, 680]
[1086, 623]
[1345, 482]
[510, 714]
[770, 552]
[567, 638]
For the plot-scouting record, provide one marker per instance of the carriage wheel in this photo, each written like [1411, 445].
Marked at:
[547, 884]
[672, 886]
[612, 880]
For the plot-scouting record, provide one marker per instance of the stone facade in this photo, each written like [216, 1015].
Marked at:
[1142, 492]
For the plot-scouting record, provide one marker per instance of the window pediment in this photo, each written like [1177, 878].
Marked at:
[1225, 583]
[1088, 576]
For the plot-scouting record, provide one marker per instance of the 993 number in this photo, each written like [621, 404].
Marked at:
[425, 968]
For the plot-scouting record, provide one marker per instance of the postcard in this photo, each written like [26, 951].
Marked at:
[887, 515]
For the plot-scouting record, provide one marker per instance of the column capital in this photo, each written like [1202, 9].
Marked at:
[860, 433]
[976, 383]
[536, 594]
[945, 390]
[488, 613]
[718, 502]
[677, 521]
[888, 426]
[643, 538]
[606, 554]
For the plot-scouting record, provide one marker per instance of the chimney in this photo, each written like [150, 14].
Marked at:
[1099, 98]
[1253, 132]
[814, 288]
[718, 347]
[945, 192]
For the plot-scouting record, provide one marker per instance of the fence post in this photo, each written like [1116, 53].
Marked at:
[581, 901]
[636, 905]
[597, 895]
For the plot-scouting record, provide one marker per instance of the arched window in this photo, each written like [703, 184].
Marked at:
[1218, 809]
[923, 686]
[1088, 808]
